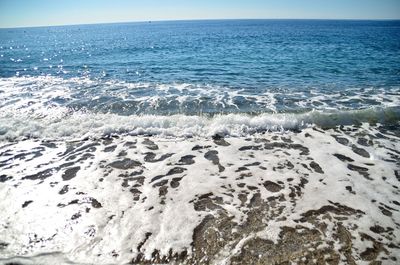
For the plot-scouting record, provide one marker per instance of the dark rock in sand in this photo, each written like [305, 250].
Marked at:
[162, 191]
[377, 229]
[156, 178]
[106, 140]
[314, 165]
[70, 173]
[42, 174]
[303, 150]
[3, 245]
[150, 144]
[26, 203]
[341, 140]
[272, 186]
[250, 147]
[68, 164]
[350, 189]
[161, 183]
[147, 235]
[252, 164]
[76, 216]
[122, 153]
[212, 155]
[186, 160]
[110, 148]
[63, 190]
[95, 203]
[385, 211]
[343, 158]
[361, 170]
[136, 194]
[199, 147]
[125, 164]
[286, 140]
[396, 203]
[360, 151]
[175, 182]
[4, 178]
[62, 205]
[150, 157]
[131, 174]
[22, 156]
[88, 148]
[364, 142]
[241, 169]
[357, 168]
[219, 140]
[85, 156]
[176, 170]
[130, 145]
[287, 164]
[49, 144]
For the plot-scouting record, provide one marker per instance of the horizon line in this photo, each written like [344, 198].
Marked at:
[199, 19]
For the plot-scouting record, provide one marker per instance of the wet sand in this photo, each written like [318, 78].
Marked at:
[316, 196]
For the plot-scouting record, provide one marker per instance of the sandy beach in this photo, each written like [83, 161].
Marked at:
[315, 196]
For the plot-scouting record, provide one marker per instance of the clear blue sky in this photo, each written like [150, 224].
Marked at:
[17, 13]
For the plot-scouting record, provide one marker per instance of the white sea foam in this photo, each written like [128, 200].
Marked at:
[61, 123]
[112, 233]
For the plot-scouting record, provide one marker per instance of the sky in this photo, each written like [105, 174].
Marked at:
[28, 13]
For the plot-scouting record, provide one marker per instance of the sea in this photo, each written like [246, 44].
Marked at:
[132, 142]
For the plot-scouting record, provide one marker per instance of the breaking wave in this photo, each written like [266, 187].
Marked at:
[61, 123]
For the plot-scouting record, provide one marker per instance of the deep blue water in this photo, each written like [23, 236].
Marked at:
[202, 67]
[236, 53]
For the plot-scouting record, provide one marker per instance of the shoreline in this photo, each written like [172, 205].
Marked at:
[314, 195]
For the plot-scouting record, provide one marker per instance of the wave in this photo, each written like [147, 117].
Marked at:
[62, 124]
[69, 108]
[136, 98]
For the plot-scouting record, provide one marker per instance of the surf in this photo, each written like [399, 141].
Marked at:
[62, 123]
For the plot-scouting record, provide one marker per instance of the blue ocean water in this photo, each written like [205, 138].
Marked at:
[202, 68]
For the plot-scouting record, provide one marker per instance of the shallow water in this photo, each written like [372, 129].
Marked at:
[202, 200]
